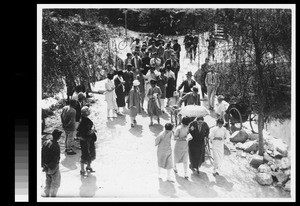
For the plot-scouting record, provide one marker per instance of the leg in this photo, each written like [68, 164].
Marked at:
[132, 121]
[56, 178]
[48, 185]
[185, 168]
[213, 93]
[209, 92]
[151, 120]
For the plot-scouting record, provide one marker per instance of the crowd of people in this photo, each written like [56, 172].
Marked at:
[149, 75]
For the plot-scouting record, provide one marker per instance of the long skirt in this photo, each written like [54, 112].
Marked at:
[164, 158]
[196, 153]
[218, 153]
[153, 109]
[181, 152]
[88, 151]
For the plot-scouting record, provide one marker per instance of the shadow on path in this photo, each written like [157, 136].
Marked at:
[198, 187]
[156, 129]
[137, 130]
[88, 187]
[70, 160]
[221, 181]
[166, 188]
[121, 120]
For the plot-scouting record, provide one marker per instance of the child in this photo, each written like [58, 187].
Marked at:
[221, 107]
[164, 151]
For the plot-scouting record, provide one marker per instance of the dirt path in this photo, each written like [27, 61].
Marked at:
[126, 165]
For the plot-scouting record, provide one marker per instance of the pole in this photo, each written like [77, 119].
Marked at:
[126, 23]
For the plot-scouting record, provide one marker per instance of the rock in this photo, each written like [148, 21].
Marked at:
[264, 178]
[281, 176]
[267, 157]
[256, 161]
[282, 149]
[253, 136]
[264, 168]
[239, 136]
[251, 146]
[230, 146]
[240, 145]
[284, 163]
[243, 154]
[287, 172]
[287, 186]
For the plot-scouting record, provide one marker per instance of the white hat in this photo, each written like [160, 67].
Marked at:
[136, 82]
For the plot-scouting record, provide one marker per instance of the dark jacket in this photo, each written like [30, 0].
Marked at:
[190, 99]
[50, 154]
[186, 87]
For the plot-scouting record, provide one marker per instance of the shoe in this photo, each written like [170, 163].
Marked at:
[217, 173]
[197, 170]
[190, 166]
[158, 120]
[186, 177]
[71, 152]
[83, 173]
[134, 121]
[132, 125]
[90, 169]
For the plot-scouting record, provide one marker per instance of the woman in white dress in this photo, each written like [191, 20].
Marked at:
[110, 96]
[217, 137]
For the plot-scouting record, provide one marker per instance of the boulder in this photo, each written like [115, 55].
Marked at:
[287, 186]
[284, 163]
[267, 157]
[282, 149]
[256, 161]
[264, 178]
[281, 176]
[264, 168]
[240, 145]
[229, 146]
[253, 136]
[251, 146]
[239, 136]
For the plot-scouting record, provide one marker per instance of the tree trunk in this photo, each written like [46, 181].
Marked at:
[260, 134]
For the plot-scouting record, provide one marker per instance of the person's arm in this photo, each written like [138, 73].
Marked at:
[176, 133]
[182, 99]
[158, 139]
[180, 86]
[206, 80]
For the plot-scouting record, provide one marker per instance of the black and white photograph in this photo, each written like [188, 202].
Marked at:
[166, 103]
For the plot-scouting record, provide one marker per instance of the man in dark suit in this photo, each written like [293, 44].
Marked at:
[145, 63]
[187, 84]
[173, 61]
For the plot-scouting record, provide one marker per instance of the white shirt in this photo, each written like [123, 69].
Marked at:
[219, 132]
[221, 107]
[170, 74]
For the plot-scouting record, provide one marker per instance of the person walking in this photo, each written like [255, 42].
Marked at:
[155, 61]
[211, 46]
[171, 87]
[164, 150]
[87, 142]
[136, 61]
[128, 78]
[167, 53]
[160, 53]
[217, 137]
[212, 82]
[134, 102]
[127, 60]
[181, 145]
[174, 64]
[199, 131]
[145, 63]
[110, 97]
[79, 104]
[162, 81]
[50, 163]
[68, 119]
[191, 98]
[120, 91]
[177, 49]
[195, 42]
[187, 84]
[204, 71]
[142, 87]
[154, 107]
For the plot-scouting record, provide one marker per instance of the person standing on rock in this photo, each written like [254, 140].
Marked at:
[164, 150]
[50, 163]
[110, 96]
[154, 107]
[87, 144]
[217, 137]
[199, 131]
[68, 119]
[134, 102]
[120, 91]
[212, 82]
[181, 145]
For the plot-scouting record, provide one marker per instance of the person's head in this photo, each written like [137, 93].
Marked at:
[85, 111]
[73, 103]
[185, 120]
[120, 73]
[194, 32]
[78, 88]
[110, 76]
[220, 98]
[220, 122]
[129, 67]
[188, 32]
[207, 60]
[200, 119]
[169, 126]
[153, 83]
[189, 75]
[137, 40]
[129, 55]
[136, 83]
[135, 53]
[195, 90]
[81, 96]
[168, 46]
[159, 36]
[56, 134]
[175, 41]
[168, 67]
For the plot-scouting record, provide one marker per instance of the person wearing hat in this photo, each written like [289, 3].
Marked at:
[221, 107]
[200, 75]
[155, 61]
[217, 136]
[151, 75]
[167, 53]
[159, 41]
[195, 41]
[50, 163]
[68, 119]
[199, 131]
[110, 96]
[212, 82]
[154, 107]
[120, 91]
[134, 102]
[152, 49]
[145, 63]
[87, 144]
[79, 104]
[152, 40]
[187, 84]
[142, 87]
[160, 53]
[173, 61]
[191, 98]
[128, 78]
[181, 145]
[127, 60]
[177, 49]
[135, 44]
